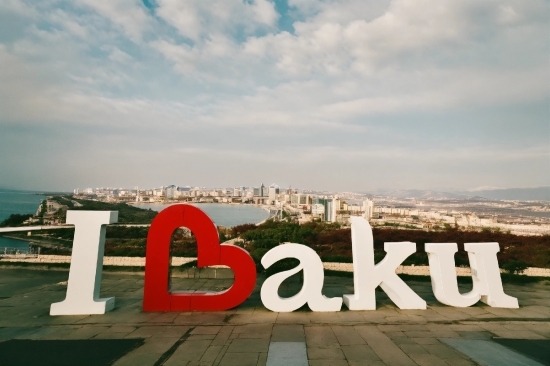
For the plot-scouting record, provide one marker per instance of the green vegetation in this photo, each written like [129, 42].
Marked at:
[126, 214]
[337, 259]
[130, 242]
[64, 200]
[15, 220]
[397, 225]
[236, 231]
[515, 267]
[329, 240]
[281, 266]
[333, 243]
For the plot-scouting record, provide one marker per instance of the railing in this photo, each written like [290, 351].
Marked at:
[32, 228]
[30, 251]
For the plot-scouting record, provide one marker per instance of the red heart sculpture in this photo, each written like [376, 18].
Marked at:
[156, 296]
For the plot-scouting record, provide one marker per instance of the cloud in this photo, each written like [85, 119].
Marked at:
[413, 56]
[129, 15]
[197, 20]
[349, 82]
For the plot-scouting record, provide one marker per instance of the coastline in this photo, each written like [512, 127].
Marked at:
[268, 209]
[45, 243]
[39, 241]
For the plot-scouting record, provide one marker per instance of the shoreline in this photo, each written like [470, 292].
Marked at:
[266, 208]
[46, 243]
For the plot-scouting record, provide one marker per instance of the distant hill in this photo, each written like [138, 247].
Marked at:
[423, 194]
[522, 194]
[126, 213]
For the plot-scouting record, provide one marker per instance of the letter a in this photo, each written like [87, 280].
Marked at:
[367, 276]
[86, 265]
[310, 293]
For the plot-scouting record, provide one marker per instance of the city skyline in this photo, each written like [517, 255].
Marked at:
[490, 193]
[341, 95]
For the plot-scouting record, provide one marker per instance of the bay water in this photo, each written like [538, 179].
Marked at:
[17, 202]
[227, 215]
[26, 202]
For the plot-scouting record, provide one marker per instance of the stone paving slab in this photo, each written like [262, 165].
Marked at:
[242, 336]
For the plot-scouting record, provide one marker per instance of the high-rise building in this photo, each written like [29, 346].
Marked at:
[330, 210]
[273, 192]
[368, 208]
[171, 192]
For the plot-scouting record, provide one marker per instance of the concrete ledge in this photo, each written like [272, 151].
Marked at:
[219, 273]
[107, 261]
[425, 270]
[178, 261]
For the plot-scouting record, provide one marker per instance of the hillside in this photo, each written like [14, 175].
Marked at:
[126, 214]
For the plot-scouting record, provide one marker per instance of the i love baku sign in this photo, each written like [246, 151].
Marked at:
[87, 262]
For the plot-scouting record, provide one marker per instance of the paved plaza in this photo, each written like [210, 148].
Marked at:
[253, 335]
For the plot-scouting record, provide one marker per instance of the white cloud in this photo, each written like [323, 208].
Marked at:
[328, 74]
[19, 8]
[407, 34]
[197, 19]
[304, 97]
[129, 15]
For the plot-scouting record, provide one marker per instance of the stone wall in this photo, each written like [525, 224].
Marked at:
[107, 261]
[178, 261]
[425, 270]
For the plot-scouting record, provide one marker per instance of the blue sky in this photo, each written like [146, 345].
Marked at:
[332, 95]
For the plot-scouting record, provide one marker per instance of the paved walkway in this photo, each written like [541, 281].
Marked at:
[243, 336]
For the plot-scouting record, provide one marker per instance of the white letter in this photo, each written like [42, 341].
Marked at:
[314, 276]
[486, 275]
[443, 273]
[86, 265]
[367, 276]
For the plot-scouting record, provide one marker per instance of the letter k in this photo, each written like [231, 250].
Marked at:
[367, 276]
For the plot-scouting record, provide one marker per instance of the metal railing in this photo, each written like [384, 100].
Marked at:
[30, 251]
[32, 228]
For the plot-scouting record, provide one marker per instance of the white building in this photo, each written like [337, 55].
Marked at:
[273, 193]
[171, 192]
[331, 206]
[368, 208]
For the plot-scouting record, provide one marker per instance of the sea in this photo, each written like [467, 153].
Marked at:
[227, 215]
[27, 202]
[17, 202]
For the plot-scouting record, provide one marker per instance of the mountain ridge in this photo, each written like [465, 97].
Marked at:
[520, 194]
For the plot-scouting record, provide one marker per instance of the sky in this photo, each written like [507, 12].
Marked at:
[341, 95]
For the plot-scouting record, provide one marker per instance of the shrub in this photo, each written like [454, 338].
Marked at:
[282, 265]
[515, 267]
[257, 256]
[15, 220]
[337, 258]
